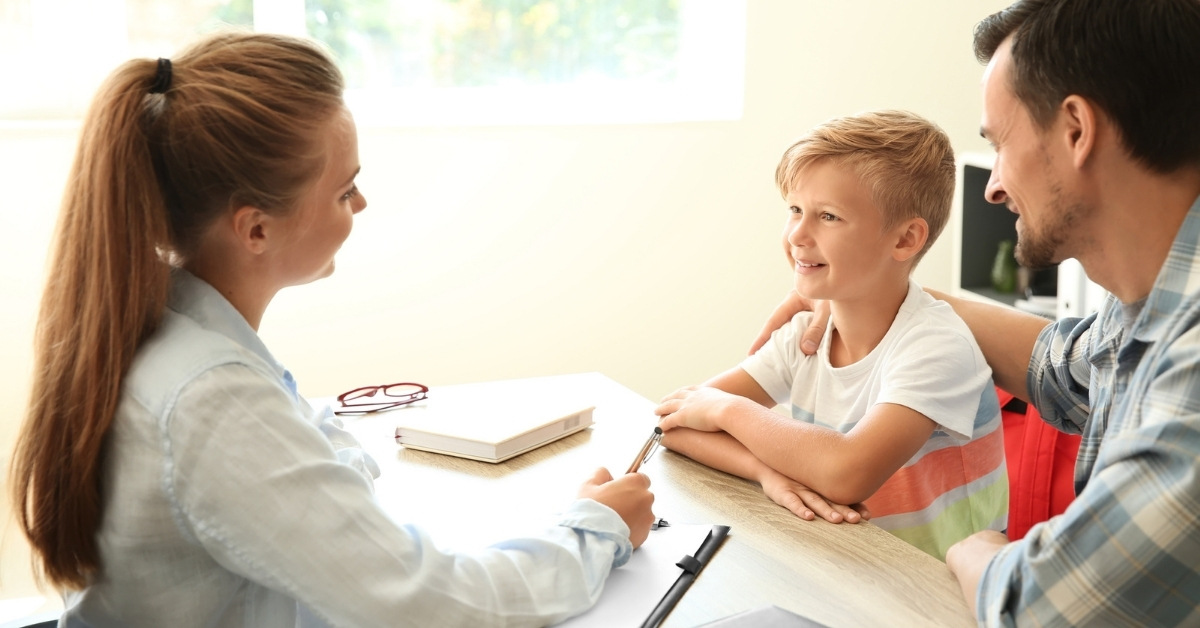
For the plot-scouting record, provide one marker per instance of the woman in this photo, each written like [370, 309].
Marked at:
[167, 474]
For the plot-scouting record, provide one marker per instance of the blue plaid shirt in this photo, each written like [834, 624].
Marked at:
[1127, 550]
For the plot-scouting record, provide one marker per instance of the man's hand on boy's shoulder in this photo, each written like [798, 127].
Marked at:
[791, 305]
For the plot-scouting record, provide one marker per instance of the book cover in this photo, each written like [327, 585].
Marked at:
[493, 421]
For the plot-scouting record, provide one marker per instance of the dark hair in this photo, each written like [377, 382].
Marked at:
[1136, 60]
[164, 150]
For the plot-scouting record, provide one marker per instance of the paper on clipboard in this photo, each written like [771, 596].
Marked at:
[633, 591]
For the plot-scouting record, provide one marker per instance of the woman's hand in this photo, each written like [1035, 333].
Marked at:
[805, 502]
[629, 495]
[791, 305]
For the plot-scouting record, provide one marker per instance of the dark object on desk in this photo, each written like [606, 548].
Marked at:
[691, 566]
[764, 617]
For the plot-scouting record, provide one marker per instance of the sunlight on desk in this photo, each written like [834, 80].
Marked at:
[838, 575]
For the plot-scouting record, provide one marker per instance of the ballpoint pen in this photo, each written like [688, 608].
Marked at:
[647, 450]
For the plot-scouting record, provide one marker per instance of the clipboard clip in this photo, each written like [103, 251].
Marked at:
[689, 564]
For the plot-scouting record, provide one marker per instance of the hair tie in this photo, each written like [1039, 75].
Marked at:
[162, 77]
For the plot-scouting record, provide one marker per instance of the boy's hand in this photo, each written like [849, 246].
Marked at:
[804, 502]
[629, 495]
[697, 407]
[791, 305]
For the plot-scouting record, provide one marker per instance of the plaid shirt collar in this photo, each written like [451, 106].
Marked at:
[1178, 277]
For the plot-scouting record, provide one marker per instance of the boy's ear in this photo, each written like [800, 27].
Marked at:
[251, 228]
[911, 237]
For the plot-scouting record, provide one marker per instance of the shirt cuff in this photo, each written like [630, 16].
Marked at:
[589, 515]
[347, 448]
[998, 581]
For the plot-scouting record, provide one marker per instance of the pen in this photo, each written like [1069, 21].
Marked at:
[647, 450]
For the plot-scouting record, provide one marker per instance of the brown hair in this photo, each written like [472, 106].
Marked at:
[237, 125]
[1136, 61]
[905, 159]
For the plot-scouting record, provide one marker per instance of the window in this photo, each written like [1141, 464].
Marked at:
[413, 62]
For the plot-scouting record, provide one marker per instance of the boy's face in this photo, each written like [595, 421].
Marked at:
[834, 235]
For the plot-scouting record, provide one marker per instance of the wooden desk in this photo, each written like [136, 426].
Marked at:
[839, 575]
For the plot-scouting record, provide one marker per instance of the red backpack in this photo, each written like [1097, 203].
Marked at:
[1041, 465]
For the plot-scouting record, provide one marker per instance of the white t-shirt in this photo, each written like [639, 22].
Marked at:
[929, 362]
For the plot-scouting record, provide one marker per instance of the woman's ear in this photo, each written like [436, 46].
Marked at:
[250, 228]
[911, 237]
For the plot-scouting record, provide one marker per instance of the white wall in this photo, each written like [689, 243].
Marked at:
[648, 252]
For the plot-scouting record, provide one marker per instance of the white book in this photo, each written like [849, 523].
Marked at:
[494, 421]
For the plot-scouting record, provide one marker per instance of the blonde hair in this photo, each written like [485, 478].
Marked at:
[905, 160]
[236, 125]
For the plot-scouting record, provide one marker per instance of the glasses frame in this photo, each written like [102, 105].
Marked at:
[350, 403]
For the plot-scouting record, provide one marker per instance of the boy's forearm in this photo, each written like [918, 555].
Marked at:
[822, 459]
[844, 467]
[718, 450]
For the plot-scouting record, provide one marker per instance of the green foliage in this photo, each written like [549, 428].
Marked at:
[495, 42]
[240, 12]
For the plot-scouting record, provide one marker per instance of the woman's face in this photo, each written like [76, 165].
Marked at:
[325, 215]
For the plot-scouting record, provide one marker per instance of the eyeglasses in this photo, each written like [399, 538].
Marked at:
[363, 401]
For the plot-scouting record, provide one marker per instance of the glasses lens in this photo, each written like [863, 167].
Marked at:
[406, 390]
[358, 393]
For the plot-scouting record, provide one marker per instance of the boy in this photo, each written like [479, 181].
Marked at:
[897, 408]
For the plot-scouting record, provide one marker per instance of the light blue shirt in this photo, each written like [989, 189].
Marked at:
[1127, 551]
[229, 502]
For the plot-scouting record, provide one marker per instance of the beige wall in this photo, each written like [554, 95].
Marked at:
[648, 252]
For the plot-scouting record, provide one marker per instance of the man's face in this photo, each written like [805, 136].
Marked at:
[1024, 176]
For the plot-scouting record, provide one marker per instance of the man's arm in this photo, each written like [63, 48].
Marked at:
[1135, 523]
[1123, 553]
[1005, 335]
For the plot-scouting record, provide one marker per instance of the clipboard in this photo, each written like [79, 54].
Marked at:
[691, 566]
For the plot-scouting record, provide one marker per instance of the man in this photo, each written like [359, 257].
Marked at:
[1093, 108]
